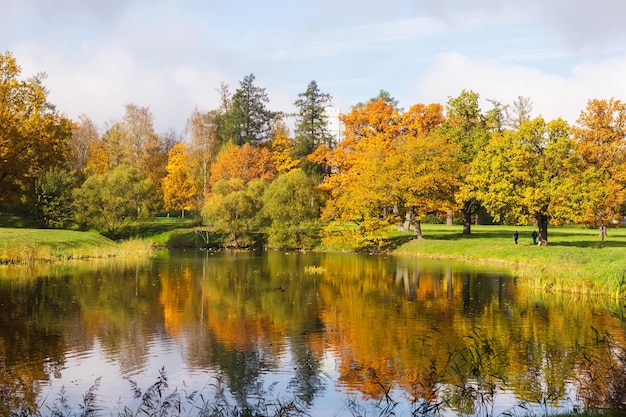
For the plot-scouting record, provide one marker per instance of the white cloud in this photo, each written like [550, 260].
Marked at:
[173, 55]
[552, 95]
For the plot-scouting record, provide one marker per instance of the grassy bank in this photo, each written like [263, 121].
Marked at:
[24, 246]
[576, 260]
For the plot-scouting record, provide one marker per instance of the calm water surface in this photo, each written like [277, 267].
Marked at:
[334, 331]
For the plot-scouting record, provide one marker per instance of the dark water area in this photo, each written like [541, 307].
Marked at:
[334, 332]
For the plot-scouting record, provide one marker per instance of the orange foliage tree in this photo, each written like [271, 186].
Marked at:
[389, 168]
[248, 162]
[600, 135]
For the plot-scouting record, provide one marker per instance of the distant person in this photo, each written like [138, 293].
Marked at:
[602, 232]
[534, 236]
[515, 236]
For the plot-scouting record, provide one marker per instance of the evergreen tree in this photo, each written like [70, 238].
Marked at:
[247, 119]
[312, 127]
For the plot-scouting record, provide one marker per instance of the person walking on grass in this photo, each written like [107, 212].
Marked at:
[534, 236]
[515, 236]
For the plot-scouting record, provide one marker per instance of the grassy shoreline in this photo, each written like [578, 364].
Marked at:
[20, 246]
[575, 261]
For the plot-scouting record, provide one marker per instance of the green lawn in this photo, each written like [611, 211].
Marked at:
[575, 259]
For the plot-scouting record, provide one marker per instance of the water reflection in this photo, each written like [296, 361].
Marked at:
[321, 328]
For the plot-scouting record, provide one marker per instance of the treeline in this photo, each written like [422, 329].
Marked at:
[250, 179]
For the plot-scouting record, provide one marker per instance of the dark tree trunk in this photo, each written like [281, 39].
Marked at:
[467, 222]
[469, 208]
[542, 225]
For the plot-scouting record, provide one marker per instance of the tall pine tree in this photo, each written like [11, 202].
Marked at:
[248, 120]
[312, 127]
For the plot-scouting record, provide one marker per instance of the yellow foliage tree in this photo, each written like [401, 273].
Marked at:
[179, 190]
[281, 148]
[526, 175]
[33, 136]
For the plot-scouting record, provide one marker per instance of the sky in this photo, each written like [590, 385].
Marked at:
[173, 55]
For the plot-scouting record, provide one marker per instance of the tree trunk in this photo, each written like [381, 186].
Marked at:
[542, 225]
[467, 222]
[467, 210]
[182, 214]
[417, 229]
[449, 218]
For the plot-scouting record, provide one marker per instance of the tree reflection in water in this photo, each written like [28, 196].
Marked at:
[426, 333]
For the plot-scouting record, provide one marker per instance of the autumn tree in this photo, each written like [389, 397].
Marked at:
[142, 147]
[138, 128]
[108, 152]
[33, 136]
[107, 202]
[132, 141]
[600, 136]
[292, 204]
[248, 162]
[421, 119]
[84, 134]
[355, 191]
[97, 159]
[524, 175]
[311, 126]
[425, 175]
[466, 127]
[281, 148]
[391, 167]
[179, 190]
[204, 144]
[364, 121]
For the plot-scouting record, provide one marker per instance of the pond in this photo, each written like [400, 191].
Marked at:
[333, 334]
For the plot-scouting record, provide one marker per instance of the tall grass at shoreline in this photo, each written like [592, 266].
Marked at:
[575, 260]
[27, 246]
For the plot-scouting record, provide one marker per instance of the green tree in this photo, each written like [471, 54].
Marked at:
[245, 117]
[311, 126]
[55, 204]
[107, 202]
[525, 175]
[383, 96]
[33, 136]
[234, 208]
[292, 204]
